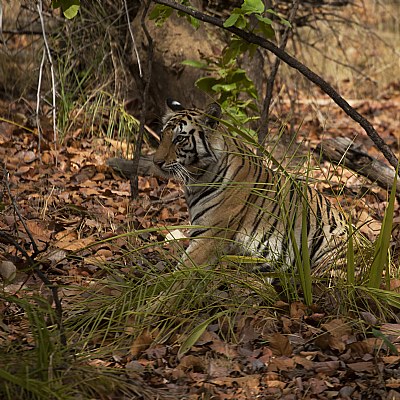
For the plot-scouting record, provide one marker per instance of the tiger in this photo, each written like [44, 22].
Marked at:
[237, 204]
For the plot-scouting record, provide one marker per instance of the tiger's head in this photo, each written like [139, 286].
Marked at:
[188, 139]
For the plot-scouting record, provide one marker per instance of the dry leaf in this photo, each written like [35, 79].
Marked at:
[280, 345]
[39, 230]
[304, 362]
[221, 347]
[297, 309]
[317, 386]
[336, 343]
[275, 384]
[251, 382]
[394, 384]
[74, 245]
[326, 367]
[282, 363]
[392, 330]
[337, 328]
[366, 346]
[192, 363]
[391, 359]
[362, 366]
[141, 343]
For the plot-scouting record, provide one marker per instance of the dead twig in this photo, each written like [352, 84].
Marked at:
[7, 238]
[133, 38]
[52, 73]
[264, 119]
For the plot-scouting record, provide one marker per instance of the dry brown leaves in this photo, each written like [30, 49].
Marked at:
[329, 362]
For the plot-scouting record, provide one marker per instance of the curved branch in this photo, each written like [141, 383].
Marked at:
[294, 63]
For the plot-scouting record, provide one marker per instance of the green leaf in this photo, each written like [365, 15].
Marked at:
[253, 7]
[265, 27]
[69, 7]
[195, 64]
[231, 20]
[194, 22]
[239, 75]
[160, 13]
[350, 256]
[264, 20]
[233, 50]
[71, 12]
[282, 20]
[243, 259]
[195, 335]
[273, 12]
[237, 20]
[227, 87]
[206, 83]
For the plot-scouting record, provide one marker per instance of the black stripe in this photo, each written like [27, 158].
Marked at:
[205, 143]
[197, 232]
[318, 237]
[202, 212]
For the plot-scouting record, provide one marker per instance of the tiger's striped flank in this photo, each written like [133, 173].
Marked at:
[237, 203]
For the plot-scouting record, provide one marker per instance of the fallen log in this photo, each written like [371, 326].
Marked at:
[146, 167]
[343, 151]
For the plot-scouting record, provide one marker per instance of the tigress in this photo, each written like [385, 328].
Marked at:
[236, 203]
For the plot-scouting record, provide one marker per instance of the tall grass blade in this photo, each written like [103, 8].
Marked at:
[194, 336]
[381, 254]
[350, 256]
[305, 268]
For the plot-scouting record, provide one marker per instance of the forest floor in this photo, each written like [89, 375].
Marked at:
[70, 204]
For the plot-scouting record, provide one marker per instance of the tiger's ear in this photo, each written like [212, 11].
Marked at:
[213, 114]
[174, 105]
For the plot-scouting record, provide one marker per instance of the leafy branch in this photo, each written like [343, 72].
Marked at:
[294, 63]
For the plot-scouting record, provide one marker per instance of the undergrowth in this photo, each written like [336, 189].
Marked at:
[107, 318]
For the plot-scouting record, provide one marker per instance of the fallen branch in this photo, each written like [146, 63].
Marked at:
[342, 150]
[146, 167]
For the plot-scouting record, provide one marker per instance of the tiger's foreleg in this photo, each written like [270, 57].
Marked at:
[205, 252]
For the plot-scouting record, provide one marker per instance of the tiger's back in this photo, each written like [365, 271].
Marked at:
[236, 203]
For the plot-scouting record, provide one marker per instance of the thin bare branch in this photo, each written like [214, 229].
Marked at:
[39, 87]
[39, 6]
[264, 120]
[133, 39]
